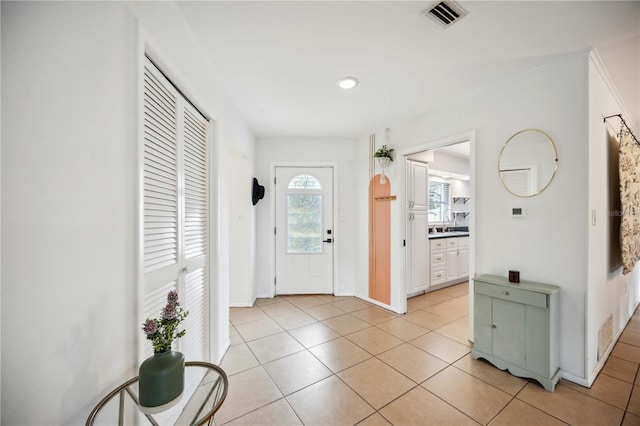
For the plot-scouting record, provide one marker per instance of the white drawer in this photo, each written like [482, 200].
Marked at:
[438, 275]
[452, 242]
[438, 256]
[438, 244]
[463, 241]
[513, 294]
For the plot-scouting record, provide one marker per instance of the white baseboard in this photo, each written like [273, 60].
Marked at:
[240, 304]
[224, 350]
[575, 379]
[382, 305]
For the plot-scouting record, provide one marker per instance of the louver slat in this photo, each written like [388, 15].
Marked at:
[197, 323]
[160, 175]
[196, 197]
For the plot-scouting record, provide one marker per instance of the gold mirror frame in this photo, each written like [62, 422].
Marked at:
[555, 164]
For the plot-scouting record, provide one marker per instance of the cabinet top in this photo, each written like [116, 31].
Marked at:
[523, 284]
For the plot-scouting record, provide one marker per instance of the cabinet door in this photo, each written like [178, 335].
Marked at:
[452, 263]
[418, 265]
[418, 193]
[538, 344]
[463, 262]
[482, 323]
[509, 331]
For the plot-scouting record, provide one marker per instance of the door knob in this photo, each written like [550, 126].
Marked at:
[328, 240]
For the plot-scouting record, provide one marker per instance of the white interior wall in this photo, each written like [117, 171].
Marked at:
[622, 61]
[305, 152]
[69, 208]
[461, 188]
[609, 292]
[549, 245]
[445, 162]
[241, 229]
[0, 220]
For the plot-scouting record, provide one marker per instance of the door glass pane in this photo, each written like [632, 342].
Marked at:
[304, 223]
[304, 182]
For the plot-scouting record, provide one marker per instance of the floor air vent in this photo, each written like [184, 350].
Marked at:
[445, 13]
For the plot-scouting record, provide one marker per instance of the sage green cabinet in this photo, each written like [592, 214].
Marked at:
[515, 327]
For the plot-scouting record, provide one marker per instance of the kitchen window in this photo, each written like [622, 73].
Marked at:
[439, 202]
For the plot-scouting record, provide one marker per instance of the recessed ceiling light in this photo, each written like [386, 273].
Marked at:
[347, 82]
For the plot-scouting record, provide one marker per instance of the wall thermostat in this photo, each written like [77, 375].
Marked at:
[518, 212]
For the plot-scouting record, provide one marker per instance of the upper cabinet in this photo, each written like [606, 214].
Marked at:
[418, 198]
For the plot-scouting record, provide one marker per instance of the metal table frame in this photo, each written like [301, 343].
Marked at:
[218, 391]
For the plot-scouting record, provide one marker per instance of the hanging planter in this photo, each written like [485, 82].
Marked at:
[384, 156]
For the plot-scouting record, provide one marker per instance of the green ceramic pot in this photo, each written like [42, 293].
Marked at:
[161, 380]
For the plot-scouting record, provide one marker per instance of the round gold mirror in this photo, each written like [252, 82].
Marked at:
[528, 162]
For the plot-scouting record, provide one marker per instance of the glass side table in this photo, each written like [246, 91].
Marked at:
[204, 392]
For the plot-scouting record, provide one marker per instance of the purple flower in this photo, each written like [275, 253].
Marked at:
[172, 297]
[164, 330]
[150, 327]
[169, 312]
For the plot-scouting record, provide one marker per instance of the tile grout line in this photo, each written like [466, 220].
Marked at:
[534, 407]
[403, 341]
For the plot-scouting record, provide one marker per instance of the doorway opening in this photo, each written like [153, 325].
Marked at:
[438, 217]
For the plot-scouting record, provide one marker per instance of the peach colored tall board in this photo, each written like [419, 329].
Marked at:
[380, 240]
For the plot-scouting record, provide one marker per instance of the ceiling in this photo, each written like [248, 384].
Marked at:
[279, 61]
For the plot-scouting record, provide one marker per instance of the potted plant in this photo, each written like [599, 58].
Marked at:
[384, 155]
[162, 375]
[384, 152]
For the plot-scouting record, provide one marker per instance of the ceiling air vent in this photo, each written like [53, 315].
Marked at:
[445, 13]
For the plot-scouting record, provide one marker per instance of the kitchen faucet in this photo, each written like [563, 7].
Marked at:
[444, 218]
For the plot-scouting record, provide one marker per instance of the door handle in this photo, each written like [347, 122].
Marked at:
[328, 240]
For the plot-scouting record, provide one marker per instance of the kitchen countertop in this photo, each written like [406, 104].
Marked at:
[451, 234]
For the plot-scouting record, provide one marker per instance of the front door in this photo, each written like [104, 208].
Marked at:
[304, 230]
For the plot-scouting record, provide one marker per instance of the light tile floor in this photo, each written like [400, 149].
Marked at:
[320, 360]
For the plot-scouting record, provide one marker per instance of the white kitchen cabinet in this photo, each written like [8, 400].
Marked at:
[516, 327]
[452, 259]
[449, 259]
[417, 242]
[463, 257]
[418, 198]
[438, 261]
[457, 258]
[417, 271]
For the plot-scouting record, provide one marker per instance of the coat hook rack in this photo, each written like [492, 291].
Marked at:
[624, 123]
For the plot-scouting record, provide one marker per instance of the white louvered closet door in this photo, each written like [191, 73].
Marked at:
[175, 211]
[195, 231]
